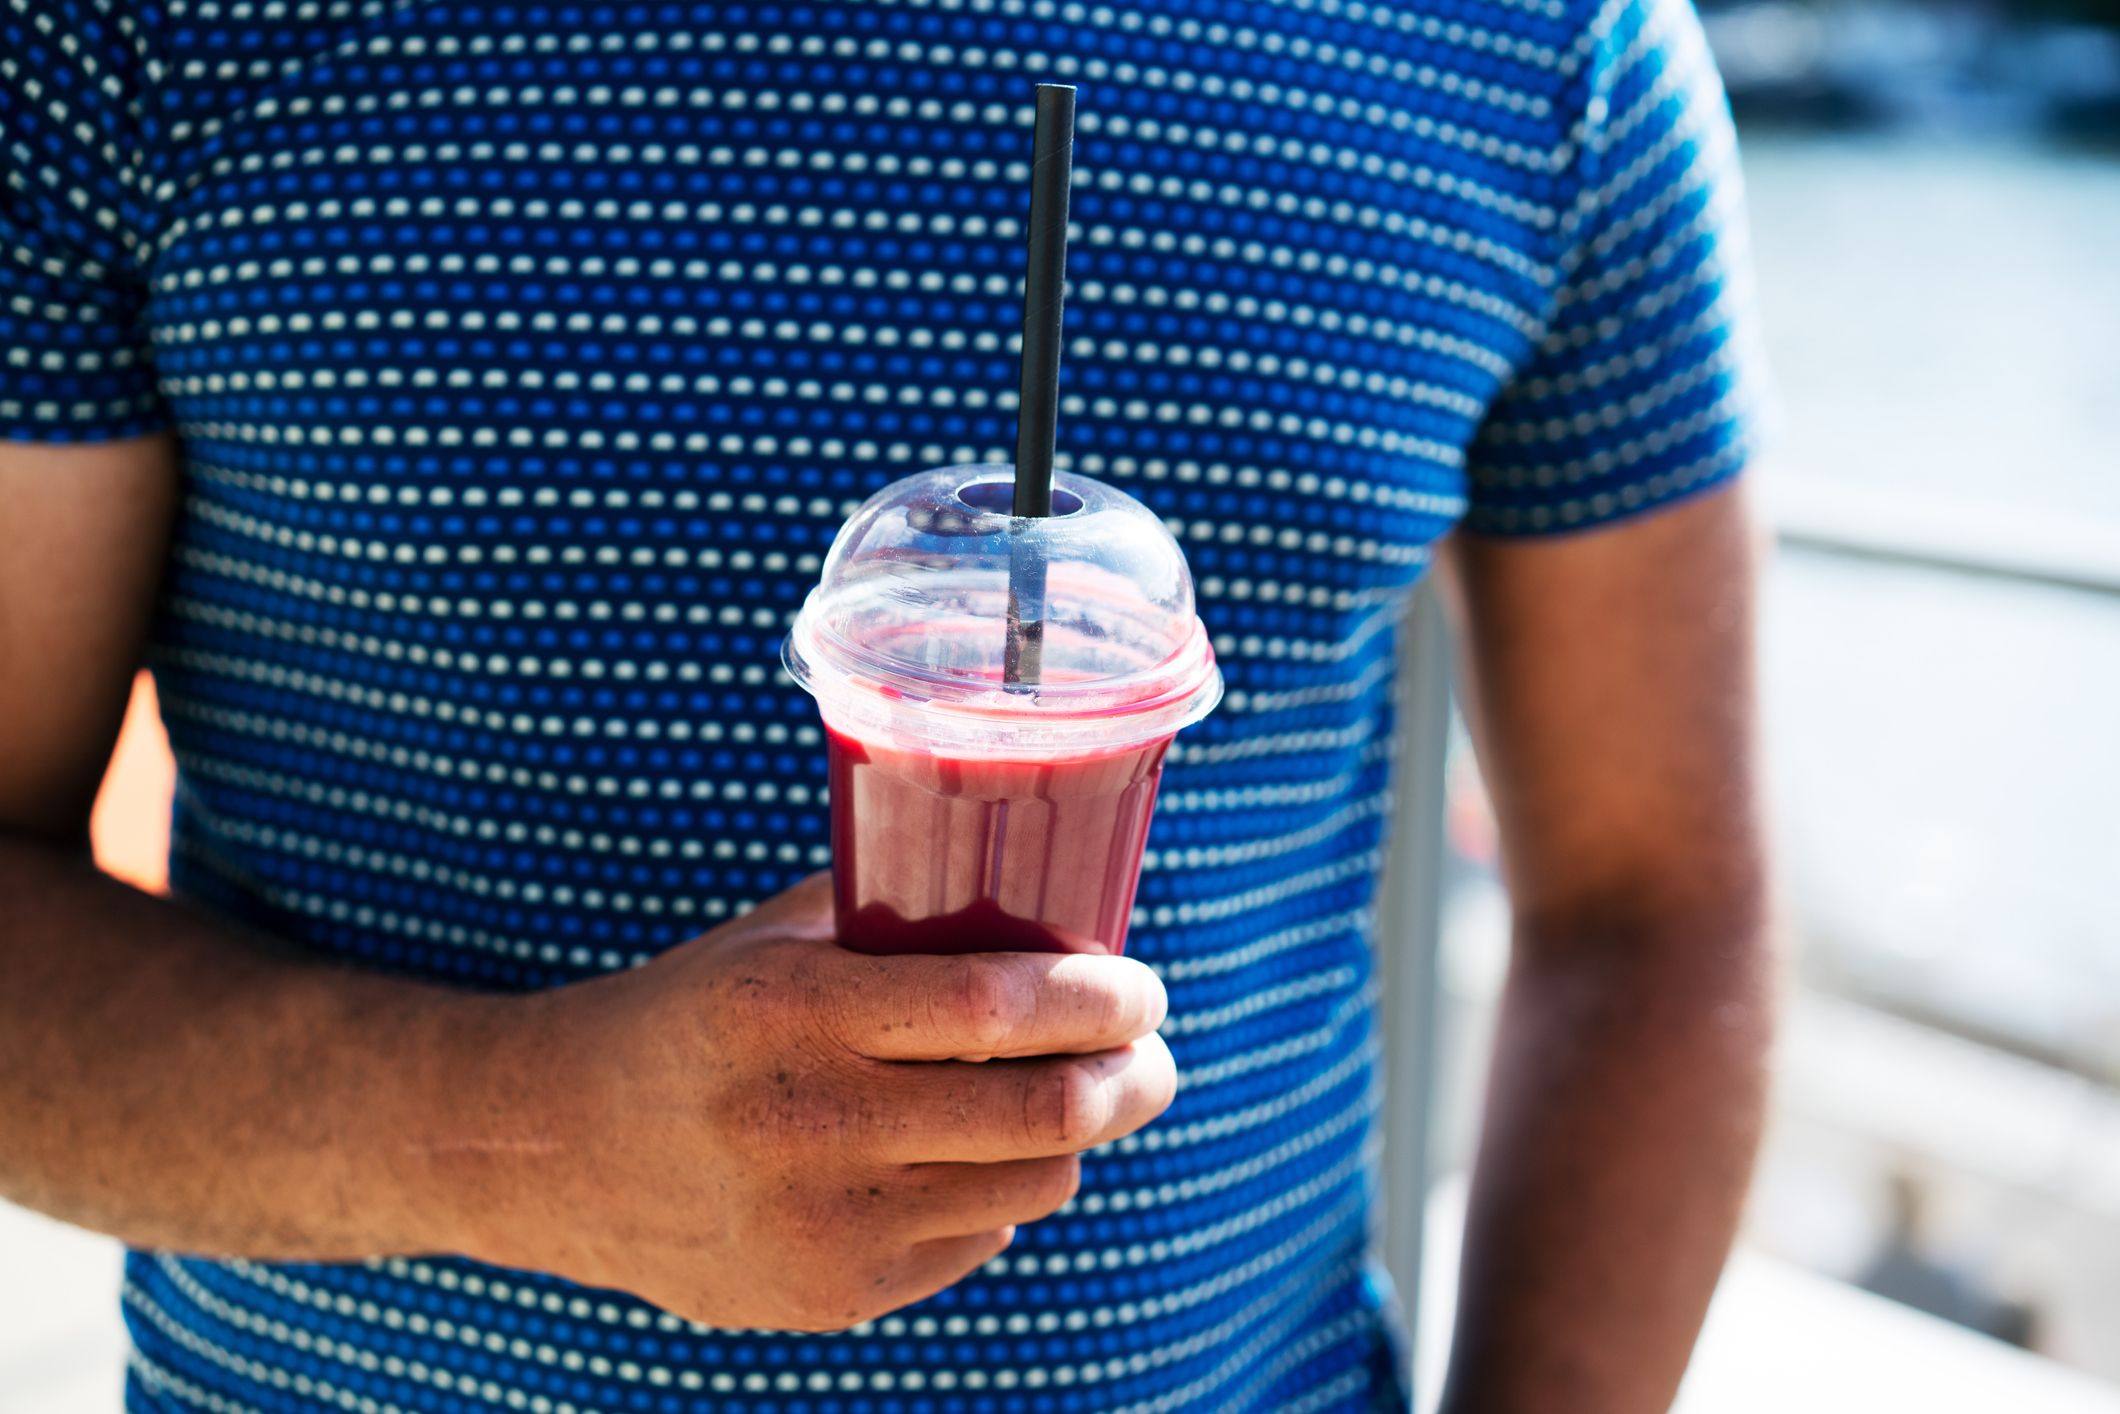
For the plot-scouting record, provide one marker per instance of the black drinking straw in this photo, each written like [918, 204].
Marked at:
[1038, 403]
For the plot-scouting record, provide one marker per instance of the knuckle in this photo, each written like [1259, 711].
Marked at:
[978, 1002]
[767, 998]
[831, 1003]
[791, 1111]
[808, 990]
[767, 1119]
[1065, 1106]
[807, 1223]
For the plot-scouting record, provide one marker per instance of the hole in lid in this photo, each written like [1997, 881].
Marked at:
[999, 498]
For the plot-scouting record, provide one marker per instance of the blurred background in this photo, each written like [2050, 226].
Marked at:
[1935, 195]
[1935, 199]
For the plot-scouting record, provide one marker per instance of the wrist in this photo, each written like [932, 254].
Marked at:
[486, 1137]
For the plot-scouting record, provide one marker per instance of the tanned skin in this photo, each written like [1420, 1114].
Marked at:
[1608, 679]
[760, 1129]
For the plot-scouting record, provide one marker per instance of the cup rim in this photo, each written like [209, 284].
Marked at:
[1184, 687]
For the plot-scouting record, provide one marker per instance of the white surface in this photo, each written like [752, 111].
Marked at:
[1781, 1340]
[62, 1344]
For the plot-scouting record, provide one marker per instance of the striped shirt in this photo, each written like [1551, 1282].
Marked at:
[524, 357]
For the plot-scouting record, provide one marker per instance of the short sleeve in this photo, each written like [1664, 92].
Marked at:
[75, 364]
[1646, 384]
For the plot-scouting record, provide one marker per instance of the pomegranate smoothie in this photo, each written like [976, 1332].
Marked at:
[940, 854]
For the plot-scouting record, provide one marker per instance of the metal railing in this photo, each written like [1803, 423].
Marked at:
[1409, 936]
[1944, 533]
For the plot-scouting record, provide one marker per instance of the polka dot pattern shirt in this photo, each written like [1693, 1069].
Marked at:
[525, 354]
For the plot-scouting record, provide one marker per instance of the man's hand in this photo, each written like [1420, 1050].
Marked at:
[757, 1129]
[763, 1129]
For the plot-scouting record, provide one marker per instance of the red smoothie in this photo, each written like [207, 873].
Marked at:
[942, 854]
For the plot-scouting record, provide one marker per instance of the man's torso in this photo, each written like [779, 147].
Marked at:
[525, 358]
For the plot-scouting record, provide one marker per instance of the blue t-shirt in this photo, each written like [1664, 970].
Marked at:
[524, 358]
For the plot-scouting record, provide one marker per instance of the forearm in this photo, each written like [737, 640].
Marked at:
[1622, 1119]
[172, 1081]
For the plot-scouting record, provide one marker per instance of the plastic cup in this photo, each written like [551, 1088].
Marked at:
[970, 814]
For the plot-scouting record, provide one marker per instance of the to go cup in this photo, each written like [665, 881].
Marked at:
[971, 814]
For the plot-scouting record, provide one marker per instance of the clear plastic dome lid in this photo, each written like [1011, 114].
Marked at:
[904, 638]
